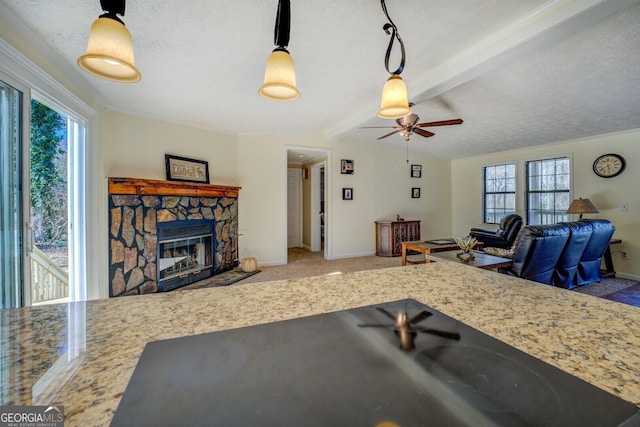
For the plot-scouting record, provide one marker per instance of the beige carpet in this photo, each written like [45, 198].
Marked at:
[302, 263]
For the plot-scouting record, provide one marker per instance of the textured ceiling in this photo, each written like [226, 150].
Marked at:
[519, 72]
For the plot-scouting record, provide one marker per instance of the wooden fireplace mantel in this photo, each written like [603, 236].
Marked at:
[154, 187]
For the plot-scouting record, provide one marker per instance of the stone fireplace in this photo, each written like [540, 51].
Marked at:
[166, 234]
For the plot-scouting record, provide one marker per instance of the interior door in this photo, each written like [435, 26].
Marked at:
[294, 207]
[318, 212]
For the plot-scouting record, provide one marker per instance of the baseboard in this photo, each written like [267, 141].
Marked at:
[271, 263]
[355, 255]
[627, 276]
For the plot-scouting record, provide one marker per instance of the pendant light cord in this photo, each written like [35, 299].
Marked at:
[394, 35]
[283, 24]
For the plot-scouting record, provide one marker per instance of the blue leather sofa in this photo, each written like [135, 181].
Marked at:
[589, 265]
[565, 255]
[564, 275]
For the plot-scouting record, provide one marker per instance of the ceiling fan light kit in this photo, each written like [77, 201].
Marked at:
[110, 47]
[280, 75]
[394, 103]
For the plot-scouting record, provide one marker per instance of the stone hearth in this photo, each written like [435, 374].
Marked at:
[135, 209]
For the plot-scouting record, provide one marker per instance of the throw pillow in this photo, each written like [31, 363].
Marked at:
[503, 253]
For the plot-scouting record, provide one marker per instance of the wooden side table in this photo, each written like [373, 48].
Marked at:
[609, 271]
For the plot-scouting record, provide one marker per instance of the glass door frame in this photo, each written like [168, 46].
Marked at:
[21, 296]
[89, 247]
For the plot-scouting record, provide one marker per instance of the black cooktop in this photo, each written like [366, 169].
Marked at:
[348, 368]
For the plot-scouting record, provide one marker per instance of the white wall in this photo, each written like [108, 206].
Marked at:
[135, 147]
[381, 189]
[606, 194]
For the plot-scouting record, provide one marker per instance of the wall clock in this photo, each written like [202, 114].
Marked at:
[609, 165]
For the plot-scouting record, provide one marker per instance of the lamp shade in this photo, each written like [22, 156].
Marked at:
[395, 102]
[581, 206]
[279, 77]
[110, 52]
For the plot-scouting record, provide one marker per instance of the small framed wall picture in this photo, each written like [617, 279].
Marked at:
[347, 194]
[346, 167]
[184, 169]
[415, 193]
[416, 171]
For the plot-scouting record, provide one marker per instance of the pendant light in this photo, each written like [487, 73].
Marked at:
[395, 102]
[280, 75]
[110, 48]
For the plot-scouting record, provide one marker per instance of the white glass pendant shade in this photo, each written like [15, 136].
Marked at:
[395, 102]
[279, 78]
[110, 52]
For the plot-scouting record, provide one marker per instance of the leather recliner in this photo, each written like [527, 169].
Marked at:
[503, 237]
[565, 274]
[589, 265]
[537, 252]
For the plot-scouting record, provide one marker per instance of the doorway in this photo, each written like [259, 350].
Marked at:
[313, 165]
[294, 208]
[48, 227]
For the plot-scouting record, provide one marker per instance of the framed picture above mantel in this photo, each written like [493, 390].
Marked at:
[185, 169]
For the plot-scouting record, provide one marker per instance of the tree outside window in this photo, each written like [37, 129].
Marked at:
[48, 176]
[499, 192]
[548, 190]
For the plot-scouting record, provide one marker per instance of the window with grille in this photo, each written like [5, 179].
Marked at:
[548, 189]
[499, 192]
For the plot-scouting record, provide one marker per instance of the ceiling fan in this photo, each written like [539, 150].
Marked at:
[409, 125]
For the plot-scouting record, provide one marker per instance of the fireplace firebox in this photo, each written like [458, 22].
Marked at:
[185, 252]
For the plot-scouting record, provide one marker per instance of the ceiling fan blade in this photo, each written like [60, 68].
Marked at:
[423, 132]
[390, 133]
[377, 127]
[443, 334]
[386, 313]
[420, 317]
[441, 123]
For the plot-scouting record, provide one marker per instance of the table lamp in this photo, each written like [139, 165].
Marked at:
[582, 206]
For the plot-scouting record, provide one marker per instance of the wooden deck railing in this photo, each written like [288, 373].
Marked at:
[48, 281]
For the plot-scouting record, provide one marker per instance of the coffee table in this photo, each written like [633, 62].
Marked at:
[480, 260]
[428, 247]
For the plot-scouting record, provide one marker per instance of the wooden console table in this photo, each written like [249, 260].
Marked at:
[391, 234]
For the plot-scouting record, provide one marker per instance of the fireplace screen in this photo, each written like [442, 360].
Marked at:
[185, 253]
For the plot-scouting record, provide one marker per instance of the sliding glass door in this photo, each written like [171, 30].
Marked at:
[14, 111]
[42, 200]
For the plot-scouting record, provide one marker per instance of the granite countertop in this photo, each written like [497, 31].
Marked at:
[81, 355]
